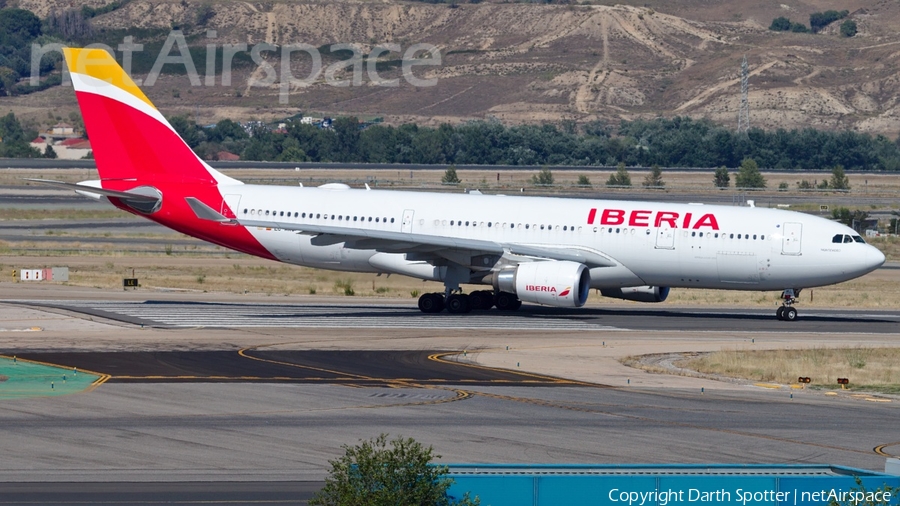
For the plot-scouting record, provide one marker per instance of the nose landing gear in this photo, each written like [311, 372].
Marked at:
[786, 311]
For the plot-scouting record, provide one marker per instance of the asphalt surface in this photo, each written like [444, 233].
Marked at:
[168, 314]
[358, 368]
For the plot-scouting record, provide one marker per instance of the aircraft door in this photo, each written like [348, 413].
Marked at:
[790, 244]
[407, 223]
[665, 238]
[232, 202]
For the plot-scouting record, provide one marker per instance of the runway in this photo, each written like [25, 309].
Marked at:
[175, 314]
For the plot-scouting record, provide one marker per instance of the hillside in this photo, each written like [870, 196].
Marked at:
[535, 63]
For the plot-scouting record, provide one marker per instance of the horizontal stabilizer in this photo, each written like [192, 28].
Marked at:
[136, 197]
[204, 212]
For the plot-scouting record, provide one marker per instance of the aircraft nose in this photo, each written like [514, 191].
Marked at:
[874, 258]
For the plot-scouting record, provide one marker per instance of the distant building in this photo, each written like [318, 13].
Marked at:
[72, 149]
[39, 144]
[62, 129]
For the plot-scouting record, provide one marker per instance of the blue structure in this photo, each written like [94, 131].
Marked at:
[669, 485]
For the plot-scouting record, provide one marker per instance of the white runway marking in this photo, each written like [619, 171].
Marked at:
[225, 315]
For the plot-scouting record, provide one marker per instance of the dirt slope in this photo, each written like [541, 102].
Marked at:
[531, 63]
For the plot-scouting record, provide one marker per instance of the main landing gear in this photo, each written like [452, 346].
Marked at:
[787, 311]
[458, 302]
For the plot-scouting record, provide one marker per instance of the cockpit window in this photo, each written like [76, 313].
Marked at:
[858, 239]
[847, 239]
[838, 239]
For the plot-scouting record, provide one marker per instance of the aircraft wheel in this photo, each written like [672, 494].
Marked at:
[790, 314]
[431, 303]
[507, 302]
[481, 300]
[458, 303]
[780, 313]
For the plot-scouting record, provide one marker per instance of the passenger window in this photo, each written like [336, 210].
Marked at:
[693, 234]
[282, 213]
[565, 228]
[542, 227]
[245, 211]
[267, 213]
[701, 234]
[762, 238]
[489, 224]
[732, 236]
[376, 220]
[754, 237]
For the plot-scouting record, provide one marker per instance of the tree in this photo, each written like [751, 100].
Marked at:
[583, 181]
[852, 219]
[450, 176]
[188, 130]
[654, 178]
[848, 28]
[721, 178]
[780, 24]
[373, 474]
[749, 176]
[543, 178]
[49, 152]
[620, 178]
[839, 180]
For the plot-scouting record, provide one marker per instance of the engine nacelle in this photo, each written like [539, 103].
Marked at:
[552, 283]
[637, 293]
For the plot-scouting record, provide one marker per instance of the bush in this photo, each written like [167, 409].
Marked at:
[620, 178]
[848, 28]
[819, 20]
[721, 178]
[374, 474]
[543, 178]
[780, 24]
[450, 176]
[583, 181]
[654, 178]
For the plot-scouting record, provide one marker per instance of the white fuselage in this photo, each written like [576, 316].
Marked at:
[650, 243]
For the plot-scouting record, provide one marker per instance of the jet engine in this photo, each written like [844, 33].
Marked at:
[552, 283]
[637, 293]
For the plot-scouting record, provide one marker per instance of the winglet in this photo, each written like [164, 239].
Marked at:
[204, 212]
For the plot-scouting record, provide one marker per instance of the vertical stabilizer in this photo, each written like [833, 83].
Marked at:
[130, 138]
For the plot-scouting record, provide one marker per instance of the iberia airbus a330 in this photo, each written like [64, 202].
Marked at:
[524, 249]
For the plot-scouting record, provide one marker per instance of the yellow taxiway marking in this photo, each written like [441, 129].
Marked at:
[880, 449]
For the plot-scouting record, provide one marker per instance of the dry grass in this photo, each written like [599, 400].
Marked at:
[869, 368]
[239, 274]
[510, 181]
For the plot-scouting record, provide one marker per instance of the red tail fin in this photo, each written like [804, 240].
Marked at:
[130, 138]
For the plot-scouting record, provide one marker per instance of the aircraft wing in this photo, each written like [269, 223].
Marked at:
[402, 242]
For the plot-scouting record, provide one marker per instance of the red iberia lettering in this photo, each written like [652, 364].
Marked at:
[707, 220]
[540, 288]
[666, 217]
[639, 219]
[612, 217]
[644, 218]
